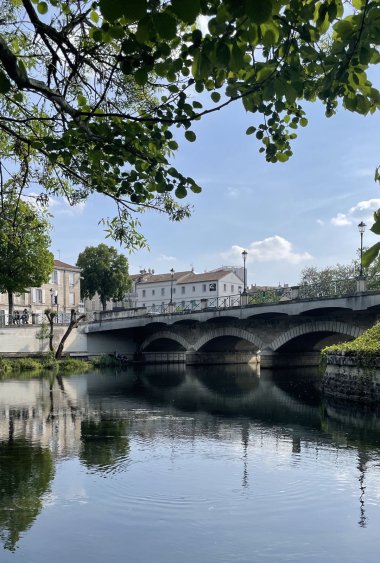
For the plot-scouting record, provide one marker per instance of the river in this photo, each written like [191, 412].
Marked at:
[167, 464]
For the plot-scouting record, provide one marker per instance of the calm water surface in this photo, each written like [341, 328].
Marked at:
[167, 465]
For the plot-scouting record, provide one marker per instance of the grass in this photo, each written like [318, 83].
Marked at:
[47, 364]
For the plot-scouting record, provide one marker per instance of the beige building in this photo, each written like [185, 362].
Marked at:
[61, 292]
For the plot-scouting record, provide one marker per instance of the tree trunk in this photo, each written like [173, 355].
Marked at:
[10, 306]
[104, 304]
[74, 321]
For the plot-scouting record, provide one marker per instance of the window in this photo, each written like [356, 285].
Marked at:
[54, 277]
[183, 289]
[173, 289]
[71, 298]
[204, 287]
[193, 288]
[71, 278]
[212, 286]
[239, 289]
[144, 294]
[162, 291]
[225, 287]
[232, 288]
[39, 296]
[153, 292]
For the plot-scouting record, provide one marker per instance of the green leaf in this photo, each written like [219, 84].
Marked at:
[215, 96]
[223, 54]
[376, 226]
[42, 7]
[259, 11]
[5, 84]
[111, 9]
[186, 10]
[181, 192]
[370, 255]
[250, 130]
[195, 188]
[190, 136]
[166, 25]
[141, 76]
[133, 10]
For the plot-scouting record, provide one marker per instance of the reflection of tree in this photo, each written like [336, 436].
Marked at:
[25, 475]
[104, 443]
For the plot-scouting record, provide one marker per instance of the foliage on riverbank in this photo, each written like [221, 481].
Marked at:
[368, 342]
[46, 364]
[107, 361]
[366, 348]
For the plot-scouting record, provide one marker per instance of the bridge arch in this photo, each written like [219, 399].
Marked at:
[165, 334]
[228, 331]
[317, 326]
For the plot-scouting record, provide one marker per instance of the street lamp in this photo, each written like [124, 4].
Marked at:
[54, 298]
[361, 228]
[244, 254]
[171, 286]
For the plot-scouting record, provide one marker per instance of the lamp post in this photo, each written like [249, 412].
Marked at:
[244, 254]
[361, 228]
[54, 298]
[171, 286]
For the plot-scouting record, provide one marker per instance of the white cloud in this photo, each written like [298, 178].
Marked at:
[165, 258]
[320, 222]
[362, 211]
[271, 249]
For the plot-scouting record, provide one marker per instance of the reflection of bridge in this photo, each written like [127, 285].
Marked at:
[237, 334]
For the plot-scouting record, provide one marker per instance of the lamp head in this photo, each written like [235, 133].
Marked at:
[361, 227]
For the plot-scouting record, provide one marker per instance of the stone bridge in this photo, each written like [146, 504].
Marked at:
[283, 333]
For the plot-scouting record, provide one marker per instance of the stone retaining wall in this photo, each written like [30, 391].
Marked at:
[344, 379]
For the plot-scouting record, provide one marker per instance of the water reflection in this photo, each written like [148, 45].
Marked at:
[26, 472]
[94, 418]
[104, 444]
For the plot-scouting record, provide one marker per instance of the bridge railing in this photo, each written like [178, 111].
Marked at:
[259, 296]
[269, 295]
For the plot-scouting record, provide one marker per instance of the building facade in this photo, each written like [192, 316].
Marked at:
[155, 291]
[61, 292]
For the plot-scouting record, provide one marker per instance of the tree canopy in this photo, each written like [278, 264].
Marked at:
[24, 247]
[99, 94]
[103, 271]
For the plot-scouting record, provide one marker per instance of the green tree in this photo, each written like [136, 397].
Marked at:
[320, 280]
[24, 241]
[96, 105]
[103, 271]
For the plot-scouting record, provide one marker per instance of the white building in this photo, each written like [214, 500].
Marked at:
[154, 291]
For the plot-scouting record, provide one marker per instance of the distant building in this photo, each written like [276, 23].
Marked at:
[61, 292]
[154, 291]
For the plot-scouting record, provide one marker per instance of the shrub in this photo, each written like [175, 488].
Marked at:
[26, 364]
[72, 364]
[5, 365]
[105, 361]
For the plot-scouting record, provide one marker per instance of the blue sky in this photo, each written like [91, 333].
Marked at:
[287, 216]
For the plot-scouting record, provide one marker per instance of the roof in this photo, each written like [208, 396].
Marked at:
[159, 278]
[63, 266]
[182, 277]
[206, 276]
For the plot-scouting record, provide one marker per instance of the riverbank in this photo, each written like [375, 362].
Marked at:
[352, 369]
